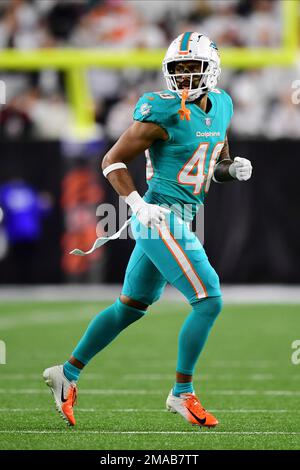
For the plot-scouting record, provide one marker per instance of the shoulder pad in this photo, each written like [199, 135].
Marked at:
[225, 98]
[157, 107]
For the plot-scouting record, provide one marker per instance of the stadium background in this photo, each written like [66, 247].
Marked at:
[72, 72]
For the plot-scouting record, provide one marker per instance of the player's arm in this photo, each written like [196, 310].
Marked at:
[228, 170]
[134, 141]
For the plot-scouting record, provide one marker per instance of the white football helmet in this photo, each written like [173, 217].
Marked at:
[192, 46]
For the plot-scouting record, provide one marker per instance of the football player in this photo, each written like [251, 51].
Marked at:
[183, 131]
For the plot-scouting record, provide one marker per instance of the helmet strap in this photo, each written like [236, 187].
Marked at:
[184, 112]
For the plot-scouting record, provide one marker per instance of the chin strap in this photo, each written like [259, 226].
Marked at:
[183, 112]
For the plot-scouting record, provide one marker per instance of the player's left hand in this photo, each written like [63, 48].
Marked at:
[241, 169]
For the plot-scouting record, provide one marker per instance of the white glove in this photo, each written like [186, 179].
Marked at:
[148, 214]
[241, 169]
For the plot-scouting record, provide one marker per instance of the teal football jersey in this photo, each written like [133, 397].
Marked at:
[179, 170]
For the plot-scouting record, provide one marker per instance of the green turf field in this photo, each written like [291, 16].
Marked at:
[245, 376]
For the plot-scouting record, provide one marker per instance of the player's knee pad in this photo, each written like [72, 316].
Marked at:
[131, 302]
[209, 307]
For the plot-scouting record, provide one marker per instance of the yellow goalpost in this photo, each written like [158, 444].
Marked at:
[75, 62]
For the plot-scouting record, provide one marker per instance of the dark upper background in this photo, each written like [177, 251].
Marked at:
[251, 230]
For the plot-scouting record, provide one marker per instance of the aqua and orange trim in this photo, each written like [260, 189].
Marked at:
[184, 43]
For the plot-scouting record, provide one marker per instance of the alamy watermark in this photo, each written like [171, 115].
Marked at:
[2, 352]
[295, 358]
[180, 223]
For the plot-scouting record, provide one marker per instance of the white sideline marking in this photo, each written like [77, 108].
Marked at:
[236, 363]
[198, 432]
[33, 391]
[40, 318]
[157, 377]
[39, 376]
[254, 377]
[141, 410]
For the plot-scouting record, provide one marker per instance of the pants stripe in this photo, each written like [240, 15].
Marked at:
[183, 261]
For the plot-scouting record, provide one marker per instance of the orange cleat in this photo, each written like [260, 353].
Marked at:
[189, 406]
[64, 392]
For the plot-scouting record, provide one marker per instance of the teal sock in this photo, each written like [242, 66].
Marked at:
[71, 372]
[104, 328]
[194, 333]
[179, 388]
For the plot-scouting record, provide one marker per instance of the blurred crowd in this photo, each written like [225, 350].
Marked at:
[262, 98]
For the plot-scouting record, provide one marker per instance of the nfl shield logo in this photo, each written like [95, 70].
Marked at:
[207, 122]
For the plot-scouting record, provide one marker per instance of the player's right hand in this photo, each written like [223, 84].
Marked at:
[149, 215]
